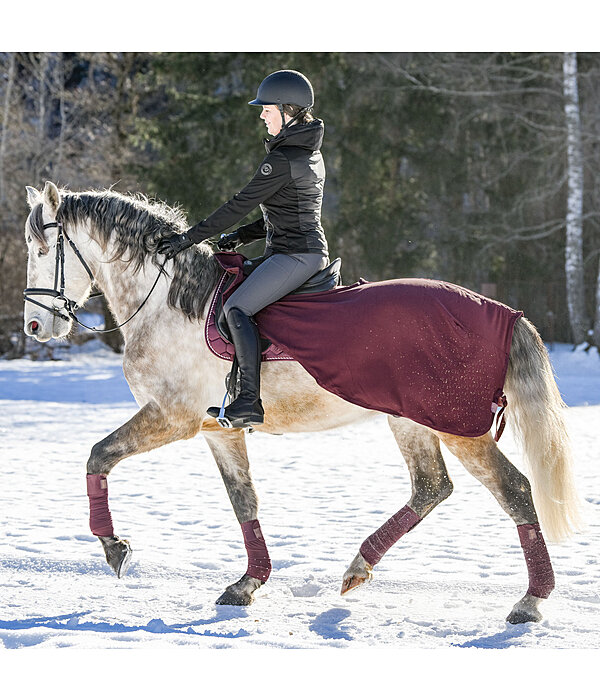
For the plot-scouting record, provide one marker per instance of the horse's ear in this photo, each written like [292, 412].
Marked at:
[51, 197]
[33, 196]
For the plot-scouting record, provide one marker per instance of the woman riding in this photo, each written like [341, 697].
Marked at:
[288, 186]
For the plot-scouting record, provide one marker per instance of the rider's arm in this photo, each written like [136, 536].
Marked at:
[252, 232]
[272, 175]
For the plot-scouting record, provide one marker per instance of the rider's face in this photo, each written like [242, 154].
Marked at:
[272, 117]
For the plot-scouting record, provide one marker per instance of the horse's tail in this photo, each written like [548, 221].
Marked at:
[535, 411]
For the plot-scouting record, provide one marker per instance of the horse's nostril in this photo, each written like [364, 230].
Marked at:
[33, 326]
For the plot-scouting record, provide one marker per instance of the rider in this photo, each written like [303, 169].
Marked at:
[288, 186]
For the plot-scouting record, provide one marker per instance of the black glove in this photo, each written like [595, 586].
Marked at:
[174, 244]
[229, 241]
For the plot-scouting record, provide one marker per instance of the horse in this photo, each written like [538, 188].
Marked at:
[112, 240]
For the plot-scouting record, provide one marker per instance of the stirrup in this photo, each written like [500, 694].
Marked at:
[224, 422]
[222, 419]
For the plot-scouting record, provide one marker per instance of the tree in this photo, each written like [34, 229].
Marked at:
[457, 166]
[66, 117]
[574, 220]
[8, 90]
[508, 138]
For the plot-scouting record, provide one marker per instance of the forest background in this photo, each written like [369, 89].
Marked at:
[476, 168]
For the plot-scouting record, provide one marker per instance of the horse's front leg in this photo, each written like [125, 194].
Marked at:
[229, 450]
[149, 428]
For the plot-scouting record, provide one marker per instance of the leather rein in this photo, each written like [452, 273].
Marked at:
[62, 303]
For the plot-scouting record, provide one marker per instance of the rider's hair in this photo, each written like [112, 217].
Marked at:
[292, 111]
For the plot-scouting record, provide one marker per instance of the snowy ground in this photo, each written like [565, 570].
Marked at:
[449, 584]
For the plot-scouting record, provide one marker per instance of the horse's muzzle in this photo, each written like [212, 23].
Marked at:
[35, 328]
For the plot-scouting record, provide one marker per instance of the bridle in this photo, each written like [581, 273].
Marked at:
[61, 303]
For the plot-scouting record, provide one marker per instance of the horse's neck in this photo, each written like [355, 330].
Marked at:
[124, 289]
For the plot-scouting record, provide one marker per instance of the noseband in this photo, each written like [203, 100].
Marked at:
[61, 302]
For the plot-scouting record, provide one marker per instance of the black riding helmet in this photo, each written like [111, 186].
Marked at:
[286, 87]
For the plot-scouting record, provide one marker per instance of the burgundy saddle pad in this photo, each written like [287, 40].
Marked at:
[218, 343]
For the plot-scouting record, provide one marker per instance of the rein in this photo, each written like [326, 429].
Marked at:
[60, 301]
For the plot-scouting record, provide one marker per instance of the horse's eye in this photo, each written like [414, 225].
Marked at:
[42, 252]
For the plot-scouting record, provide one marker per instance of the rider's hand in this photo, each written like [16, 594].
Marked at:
[174, 244]
[229, 241]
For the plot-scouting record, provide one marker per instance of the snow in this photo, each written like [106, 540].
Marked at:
[449, 584]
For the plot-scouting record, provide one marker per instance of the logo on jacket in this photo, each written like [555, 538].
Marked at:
[266, 169]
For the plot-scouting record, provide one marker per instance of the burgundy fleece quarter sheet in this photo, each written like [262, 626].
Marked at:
[423, 349]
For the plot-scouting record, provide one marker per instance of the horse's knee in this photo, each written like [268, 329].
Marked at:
[430, 488]
[441, 488]
[421, 450]
[516, 497]
[100, 461]
[431, 482]
[445, 489]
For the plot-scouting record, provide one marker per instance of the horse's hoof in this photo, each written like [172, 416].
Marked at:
[234, 598]
[118, 554]
[518, 617]
[352, 582]
[526, 610]
[359, 572]
[241, 592]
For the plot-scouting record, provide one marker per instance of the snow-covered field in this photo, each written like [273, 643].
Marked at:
[448, 584]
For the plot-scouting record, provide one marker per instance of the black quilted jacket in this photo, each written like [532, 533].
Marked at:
[288, 187]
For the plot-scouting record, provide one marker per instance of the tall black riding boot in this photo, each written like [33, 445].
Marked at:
[247, 408]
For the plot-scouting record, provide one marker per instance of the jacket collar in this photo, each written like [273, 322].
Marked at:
[308, 136]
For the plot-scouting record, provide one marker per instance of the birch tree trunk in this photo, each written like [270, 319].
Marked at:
[5, 115]
[41, 131]
[574, 223]
[597, 321]
[60, 86]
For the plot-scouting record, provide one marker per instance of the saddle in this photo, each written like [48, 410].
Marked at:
[217, 333]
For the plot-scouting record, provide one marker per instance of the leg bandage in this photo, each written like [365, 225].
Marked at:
[100, 518]
[539, 567]
[377, 544]
[259, 563]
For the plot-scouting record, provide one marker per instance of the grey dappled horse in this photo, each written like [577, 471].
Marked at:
[104, 238]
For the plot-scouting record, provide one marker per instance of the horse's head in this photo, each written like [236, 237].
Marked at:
[51, 263]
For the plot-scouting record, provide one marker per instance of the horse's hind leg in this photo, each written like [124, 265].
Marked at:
[430, 486]
[149, 428]
[482, 458]
[229, 450]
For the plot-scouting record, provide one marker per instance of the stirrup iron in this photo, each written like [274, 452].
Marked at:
[222, 419]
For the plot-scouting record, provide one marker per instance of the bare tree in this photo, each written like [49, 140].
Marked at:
[596, 335]
[66, 117]
[574, 222]
[5, 115]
